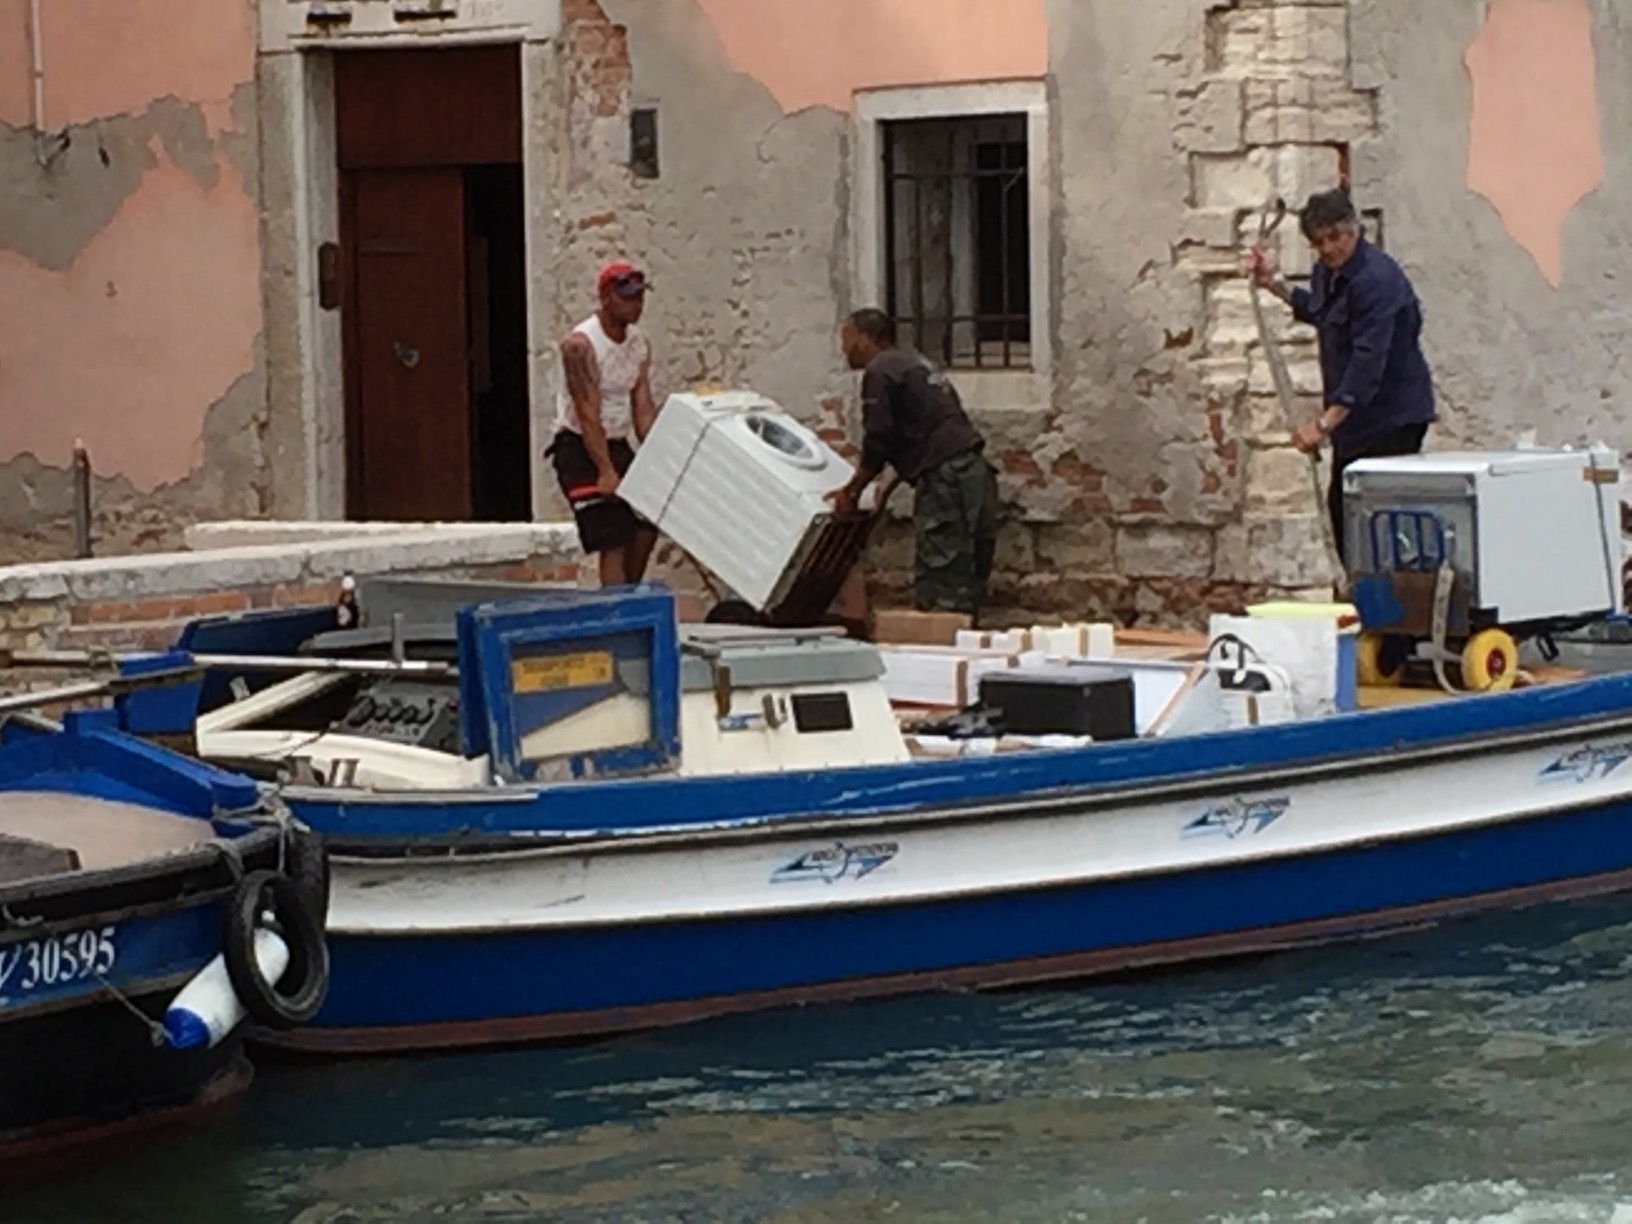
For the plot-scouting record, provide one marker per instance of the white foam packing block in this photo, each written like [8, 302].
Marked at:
[936, 676]
[972, 639]
[1101, 641]
[1060, 641]
[1305, 649]
[1015, 640]
[1079, 640]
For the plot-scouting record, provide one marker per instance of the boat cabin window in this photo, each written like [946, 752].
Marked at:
[822, 712]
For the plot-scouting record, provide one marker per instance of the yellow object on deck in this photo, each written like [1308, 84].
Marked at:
[1344, 614]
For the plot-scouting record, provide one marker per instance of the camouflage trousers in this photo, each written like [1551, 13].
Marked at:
[955, 534]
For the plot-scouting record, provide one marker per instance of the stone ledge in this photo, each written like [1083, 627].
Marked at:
[241, 533]
[297, 558]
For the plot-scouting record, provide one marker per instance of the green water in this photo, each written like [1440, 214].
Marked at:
[1479, 1072]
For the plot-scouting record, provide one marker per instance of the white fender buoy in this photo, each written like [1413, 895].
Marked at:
[207, 1009]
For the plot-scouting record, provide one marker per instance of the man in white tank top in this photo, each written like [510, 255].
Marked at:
[604, 410]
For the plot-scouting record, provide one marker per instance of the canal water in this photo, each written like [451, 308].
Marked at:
[1480, 1071]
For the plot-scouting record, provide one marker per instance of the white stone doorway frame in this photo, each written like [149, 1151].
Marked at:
[306, 427]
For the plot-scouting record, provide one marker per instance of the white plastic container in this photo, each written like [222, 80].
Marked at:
[208, 1008]
[738, 483]
[1534, 534]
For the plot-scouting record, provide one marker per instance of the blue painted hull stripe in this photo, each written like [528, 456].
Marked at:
[521, 980]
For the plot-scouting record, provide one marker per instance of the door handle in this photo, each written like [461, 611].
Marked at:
[406, 353]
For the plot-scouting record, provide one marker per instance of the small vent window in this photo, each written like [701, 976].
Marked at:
[822, 712]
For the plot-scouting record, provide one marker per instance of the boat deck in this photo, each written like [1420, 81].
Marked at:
[47, 832]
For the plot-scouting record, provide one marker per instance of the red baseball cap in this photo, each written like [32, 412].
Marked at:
[623, 278]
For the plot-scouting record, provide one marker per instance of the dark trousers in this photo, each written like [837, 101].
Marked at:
[955, 534]
[1406, 440]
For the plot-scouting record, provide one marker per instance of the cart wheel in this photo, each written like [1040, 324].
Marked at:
[1368, 663]
[1490, 662]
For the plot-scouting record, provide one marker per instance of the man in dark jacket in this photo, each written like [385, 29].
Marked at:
[1379, 394]
[913, 420]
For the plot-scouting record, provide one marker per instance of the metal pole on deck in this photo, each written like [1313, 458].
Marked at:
[82, 499]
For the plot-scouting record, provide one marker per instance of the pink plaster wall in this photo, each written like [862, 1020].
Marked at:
[869, 44]
[127, 348]
[158, 314]
[113, 57]
[1533, 148]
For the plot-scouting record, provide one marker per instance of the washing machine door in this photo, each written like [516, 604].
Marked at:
[787, 440]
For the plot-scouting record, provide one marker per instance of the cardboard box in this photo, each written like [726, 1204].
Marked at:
[936, 676]
[904, 627]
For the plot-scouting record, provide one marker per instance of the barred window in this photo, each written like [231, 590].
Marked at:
[957, 238]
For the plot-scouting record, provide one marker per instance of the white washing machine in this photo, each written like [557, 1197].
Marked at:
[739, 484]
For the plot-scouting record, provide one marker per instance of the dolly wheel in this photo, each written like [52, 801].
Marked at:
[1368, 663]
[1490, 662]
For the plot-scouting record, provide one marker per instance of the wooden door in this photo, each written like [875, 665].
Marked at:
[407, 369]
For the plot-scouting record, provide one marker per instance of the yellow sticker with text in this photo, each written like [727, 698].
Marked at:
[545, 673]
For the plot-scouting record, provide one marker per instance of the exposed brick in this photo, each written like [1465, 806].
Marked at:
[304, 596]
[1160, 550]
[1210, 118]
[214, 603]
[1021, 464]
[1249, 180]
[32, 614]
[1280, 40]
[1076, 549]
[600, 54]
[1307, 110]
[128, 610]
[1278, 481]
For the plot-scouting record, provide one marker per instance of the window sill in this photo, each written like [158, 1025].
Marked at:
[994, 390]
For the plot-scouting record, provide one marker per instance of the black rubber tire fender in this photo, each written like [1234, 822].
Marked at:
[307, 862]
[300, 990]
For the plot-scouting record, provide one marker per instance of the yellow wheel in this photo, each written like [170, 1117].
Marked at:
[1368, 663]
[1490, 662]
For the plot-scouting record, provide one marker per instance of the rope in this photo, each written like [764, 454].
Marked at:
[1612, 572]
[230, 855]
[155, 1030]
[21, 924]
[1441, 617]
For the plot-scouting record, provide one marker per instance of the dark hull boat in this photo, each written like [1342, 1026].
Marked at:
[148, 904]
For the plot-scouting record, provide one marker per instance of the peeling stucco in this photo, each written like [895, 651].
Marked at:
[867, 44]
[1509, 356]
[130, 272]
[154, 317]
[115, 57]
[230, 481]
[1533, 147]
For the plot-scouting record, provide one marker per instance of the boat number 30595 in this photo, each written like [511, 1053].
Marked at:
[56, 960]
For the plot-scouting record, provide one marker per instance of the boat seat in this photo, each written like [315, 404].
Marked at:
[100, 832]
[23, 858]
[421, 640]
[436, 601]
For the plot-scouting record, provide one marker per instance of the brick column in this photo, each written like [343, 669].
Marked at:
[1274, 115]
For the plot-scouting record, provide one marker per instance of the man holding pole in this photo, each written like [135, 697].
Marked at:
[1378, 391]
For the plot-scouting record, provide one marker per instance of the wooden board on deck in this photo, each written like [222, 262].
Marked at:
[1161, 645]
[1383, 696]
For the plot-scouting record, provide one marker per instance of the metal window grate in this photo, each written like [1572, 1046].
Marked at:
[957, 239]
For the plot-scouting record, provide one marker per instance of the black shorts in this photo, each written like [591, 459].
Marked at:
[605, 521]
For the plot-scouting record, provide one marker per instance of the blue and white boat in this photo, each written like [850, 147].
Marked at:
[564, 815]
[134, 888]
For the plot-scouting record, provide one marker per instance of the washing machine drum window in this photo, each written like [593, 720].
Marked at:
[789, 443]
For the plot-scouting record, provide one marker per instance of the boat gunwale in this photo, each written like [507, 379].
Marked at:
[214, 856]
[1079, 798]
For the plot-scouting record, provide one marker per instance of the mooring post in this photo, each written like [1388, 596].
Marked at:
[82, 499]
